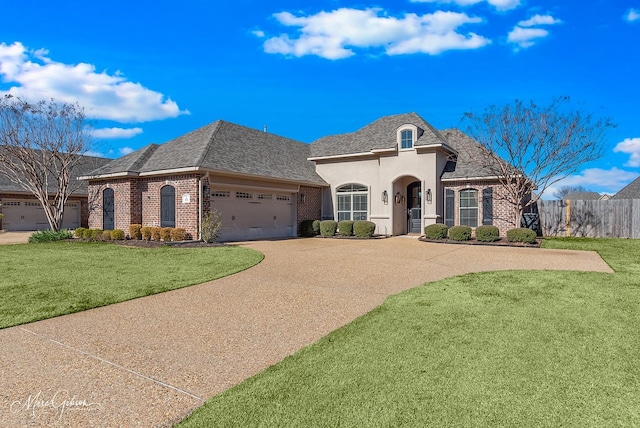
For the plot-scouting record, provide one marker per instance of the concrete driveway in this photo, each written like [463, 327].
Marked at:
[14, 237]
[149, 362]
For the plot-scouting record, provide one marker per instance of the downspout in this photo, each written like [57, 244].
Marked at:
[201, 204]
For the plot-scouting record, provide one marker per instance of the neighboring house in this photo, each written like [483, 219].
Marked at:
[583, 196]
[398, 172]
[630, 191]
[23, 212]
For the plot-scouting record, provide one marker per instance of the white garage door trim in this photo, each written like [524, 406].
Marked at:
[28, 214]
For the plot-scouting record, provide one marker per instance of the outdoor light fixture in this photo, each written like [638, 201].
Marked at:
[398, 197]
[385, 197]
[429, 197]
[302, 198]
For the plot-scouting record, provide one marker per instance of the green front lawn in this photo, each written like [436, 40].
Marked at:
[498, 349]
[41, 281]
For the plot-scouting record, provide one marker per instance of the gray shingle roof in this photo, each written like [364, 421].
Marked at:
[630, 191]
[223, 146]
[469, 162]
[583, 196]
[378, 135]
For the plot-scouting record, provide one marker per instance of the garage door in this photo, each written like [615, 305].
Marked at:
[24, 215]
[250, 215]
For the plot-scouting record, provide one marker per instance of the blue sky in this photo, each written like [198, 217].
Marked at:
[147, 72]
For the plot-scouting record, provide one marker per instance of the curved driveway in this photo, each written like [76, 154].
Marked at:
[151, 361]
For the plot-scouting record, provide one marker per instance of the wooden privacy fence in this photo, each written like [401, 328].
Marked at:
[613, 218]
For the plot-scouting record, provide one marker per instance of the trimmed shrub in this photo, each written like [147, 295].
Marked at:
[178, 234]
[166, 233]
[49, 236]
[306, 228]
[78, 232]
[105, 235]
[460, 233]
[316, 227]
[210, 227]
[521, 234]
[117, 234]
[87, 234]
[96, 234]
[145, 232]
[328, 227]
[436, 231]
[156, 233]
[364, 228]
[345, 227]
[487, 233]
[134, 231]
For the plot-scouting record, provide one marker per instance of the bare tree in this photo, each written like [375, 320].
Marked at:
[40, 143]
[563, 191]
[529, 147]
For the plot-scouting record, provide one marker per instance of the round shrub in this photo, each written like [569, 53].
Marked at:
[134, 231]
[165, 232]
[78, 232]
[145, 232]
[460, 233]
[105, 235]
[96, 234]
[487, 233]
[156, 233]
[178, 234]
[117, 234]
[436, 231]
[521, 234]
[345, 227]
[364, 228]
[328, 227]
[306, 228]
[316, 227]
[87, 233]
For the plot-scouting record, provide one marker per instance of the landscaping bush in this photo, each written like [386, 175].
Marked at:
[87, 233]
[78, 232]
[178, 234]
[166, 233]
[134, 231]
[316, 227]
[117, 234]
[521, 234]
[105, 235]
[345, 227]
[145, 232]
[156, 233]
[50, 235]
[487, 233]
[306, 228]
[95, 235]
[364, 228]
[436, 231]
[328, 227]
[210, 227]
[460, 233]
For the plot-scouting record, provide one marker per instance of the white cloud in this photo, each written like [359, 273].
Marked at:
[630, 146]
[498, 4]
[527, 32]
[94, 153]
[126, 150]
[112, 133]
[103, 96]
[632, 15]
[595, 179]
[258, 33]
[333, 35]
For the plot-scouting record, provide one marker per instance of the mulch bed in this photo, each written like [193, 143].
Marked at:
[500, 243]
[178, 244]
[338, 236]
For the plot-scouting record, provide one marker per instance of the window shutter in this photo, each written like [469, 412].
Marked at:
[450, 207]
[487, 206]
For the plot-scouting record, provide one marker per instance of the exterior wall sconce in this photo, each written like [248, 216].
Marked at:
[385, 197]
[398, 197]
[429, 196]
[302, 198]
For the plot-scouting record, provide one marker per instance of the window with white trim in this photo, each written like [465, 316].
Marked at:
[406, 139]
[352, 200]
[469, 207]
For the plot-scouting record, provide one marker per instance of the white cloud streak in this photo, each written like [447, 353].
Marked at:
[630, 146]
[498, 4]
[528, 32]
[114, 133]
[35, 76]
[334, 35]
[595, 179]
[632, 15]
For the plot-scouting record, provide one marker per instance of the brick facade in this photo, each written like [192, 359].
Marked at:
[311, 208]
[127, 203]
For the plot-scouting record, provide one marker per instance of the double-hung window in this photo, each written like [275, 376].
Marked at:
[352, 200]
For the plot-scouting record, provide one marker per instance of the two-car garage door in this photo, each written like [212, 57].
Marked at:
[251, 215]
[25, 214]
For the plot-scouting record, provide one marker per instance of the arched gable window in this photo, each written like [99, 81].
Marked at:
[406, 136]
[469, 207]
[168, 206]
[352, 202]
[107, 209]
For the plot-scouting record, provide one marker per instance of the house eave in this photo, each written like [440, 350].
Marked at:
[349, 155]
[171, 171]
[112, 175]
[488, 177]
[214, 172]
[445, 147]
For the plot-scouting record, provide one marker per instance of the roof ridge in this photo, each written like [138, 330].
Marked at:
[216, 127]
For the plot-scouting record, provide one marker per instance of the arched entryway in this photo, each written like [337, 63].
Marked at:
[407, 205]
[168, 206]
[107, 209]
[414, 207]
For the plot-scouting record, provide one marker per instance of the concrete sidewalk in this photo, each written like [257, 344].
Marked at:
[14, 237]
[151, 361]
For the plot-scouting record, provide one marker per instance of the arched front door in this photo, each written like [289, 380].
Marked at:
[107, 209]
[414, 207]
[168, 206]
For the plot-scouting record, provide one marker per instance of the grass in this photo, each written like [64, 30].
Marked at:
[51, 279]
[497, 349]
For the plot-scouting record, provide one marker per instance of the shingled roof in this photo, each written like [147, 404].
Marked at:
[377, 135]
[630, 191]
[222, 147]
[469, 162]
